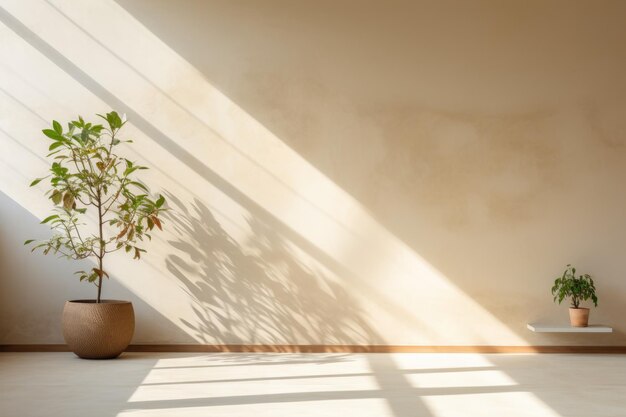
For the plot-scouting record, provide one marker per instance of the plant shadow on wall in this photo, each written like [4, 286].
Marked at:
[259, 291]
[262, 291]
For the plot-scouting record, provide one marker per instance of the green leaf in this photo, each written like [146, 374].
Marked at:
[139, 185]
[130, 170]
[52, 134]
[29, 241]
[47, 219]
[37, 181]
[78, 139]
[57, 169]
[57, 127]
[115, 122]
[55, 145]
[160, 201]
[37, 247]
[56, 152]
[56, 196]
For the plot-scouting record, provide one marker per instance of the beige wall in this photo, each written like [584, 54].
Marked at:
[339, 172]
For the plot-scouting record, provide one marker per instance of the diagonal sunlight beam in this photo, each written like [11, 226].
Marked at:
[351, 244]
[226, 157]
[23, 143]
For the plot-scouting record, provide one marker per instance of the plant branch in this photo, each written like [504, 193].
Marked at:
[99, 182]
[114, 198]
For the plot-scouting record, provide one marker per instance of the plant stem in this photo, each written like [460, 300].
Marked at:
[101, 255]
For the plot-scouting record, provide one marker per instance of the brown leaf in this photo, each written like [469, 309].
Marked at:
[100, 272]
[157, 222]
[68, 201]
[123, 232]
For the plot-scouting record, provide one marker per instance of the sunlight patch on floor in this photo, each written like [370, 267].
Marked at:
[509, 404]
[209, 390]
[461, 380]
[372, 407]
[434, 361]
[200, 377]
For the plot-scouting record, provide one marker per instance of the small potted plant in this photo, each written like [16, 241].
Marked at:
[577, 288]
[87, 175]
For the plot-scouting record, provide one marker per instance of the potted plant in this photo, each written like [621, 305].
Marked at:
[577, 288]
[87, 175]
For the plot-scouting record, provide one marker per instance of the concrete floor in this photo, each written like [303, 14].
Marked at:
[429, 385]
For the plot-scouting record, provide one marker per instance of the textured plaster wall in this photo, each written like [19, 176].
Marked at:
[339, 172]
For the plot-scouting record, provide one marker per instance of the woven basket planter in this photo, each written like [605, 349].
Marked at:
[98, 330]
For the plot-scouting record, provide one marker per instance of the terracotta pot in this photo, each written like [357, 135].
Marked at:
[579, 317]
[98, 330]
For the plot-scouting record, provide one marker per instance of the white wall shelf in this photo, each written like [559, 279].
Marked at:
[558, 328]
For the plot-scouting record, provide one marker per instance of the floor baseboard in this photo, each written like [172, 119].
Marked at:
[199, 348]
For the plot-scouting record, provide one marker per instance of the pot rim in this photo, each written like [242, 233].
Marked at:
[93, 301]
[579, 308]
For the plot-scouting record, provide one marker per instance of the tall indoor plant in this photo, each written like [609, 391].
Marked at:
[87, 174]
[577, 289]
